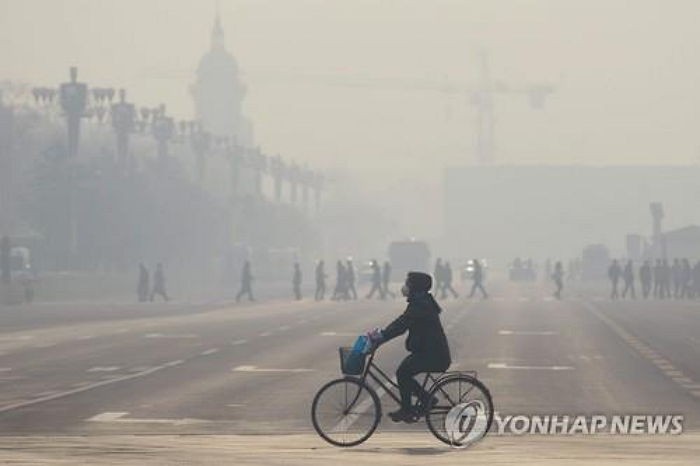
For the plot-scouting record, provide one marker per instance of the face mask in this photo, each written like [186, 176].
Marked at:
[404, 291]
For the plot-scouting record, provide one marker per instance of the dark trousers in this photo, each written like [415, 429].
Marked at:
[478, 286]
[245, 289]
[413, 364]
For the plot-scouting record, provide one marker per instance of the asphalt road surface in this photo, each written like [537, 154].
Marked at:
[222, 368]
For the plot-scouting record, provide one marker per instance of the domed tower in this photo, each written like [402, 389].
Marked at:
[218, 91]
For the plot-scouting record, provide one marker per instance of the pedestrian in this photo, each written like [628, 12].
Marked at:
[447, 280]
[142, 285]
[376, 281]
[320, 281]
[628, 277]
[614, 273]
[246, 283]
[645, 278]
[159, 283]
[340, 291]
[350, 279]
[658, 279]
[558, 277]
[696, 280]
[665, 279]
[677, 278]
[296, 281]
[386, 279]
[438, 275]
[686, 279]
[478, 280]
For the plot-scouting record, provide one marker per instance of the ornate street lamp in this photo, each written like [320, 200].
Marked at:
[73, 99]
[163, 129]
[124, 123]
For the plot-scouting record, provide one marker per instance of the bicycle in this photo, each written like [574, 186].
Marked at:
[346, 411]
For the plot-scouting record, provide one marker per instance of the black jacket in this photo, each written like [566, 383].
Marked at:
[425, 334]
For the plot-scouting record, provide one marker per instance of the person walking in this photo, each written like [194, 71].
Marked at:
[558, 277]
[341, 290]
[350, 279]
[386, 279]
[447, 281]
[296, 281]
[376, 281]
[159, 283]
[478, 283]
[645, 277]
[321, 276]
[438, 275]
[628, 277]
[246, 283]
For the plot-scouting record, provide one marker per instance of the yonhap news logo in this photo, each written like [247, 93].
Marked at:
[616, 424]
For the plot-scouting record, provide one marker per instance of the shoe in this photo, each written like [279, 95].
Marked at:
[424, 407]
[403, 416]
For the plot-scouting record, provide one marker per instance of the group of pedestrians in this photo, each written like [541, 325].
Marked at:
[662, 280]
[346, 279]
[443, 280]
[144, 291]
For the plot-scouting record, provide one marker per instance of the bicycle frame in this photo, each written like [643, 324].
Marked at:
[385, 382]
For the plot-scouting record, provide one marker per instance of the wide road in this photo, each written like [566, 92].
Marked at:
[223, 368]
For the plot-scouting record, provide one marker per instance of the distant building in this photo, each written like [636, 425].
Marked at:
[501, 212]
[218, 92]
[683, 242]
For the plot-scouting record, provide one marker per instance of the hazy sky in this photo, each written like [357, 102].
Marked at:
[626, 72]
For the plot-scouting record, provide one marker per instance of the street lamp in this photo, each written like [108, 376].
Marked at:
[73, 99]
[124, 123]
[163, 129]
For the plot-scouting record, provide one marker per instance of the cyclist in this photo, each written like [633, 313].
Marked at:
[426, 342]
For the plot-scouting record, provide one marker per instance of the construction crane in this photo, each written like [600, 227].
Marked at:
[481, 94]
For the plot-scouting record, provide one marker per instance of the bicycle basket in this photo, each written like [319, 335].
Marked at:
[351, 362]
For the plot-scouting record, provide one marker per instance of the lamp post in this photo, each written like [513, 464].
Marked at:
[124, 123]
[163, 129]
[258, 162]
[73, 99]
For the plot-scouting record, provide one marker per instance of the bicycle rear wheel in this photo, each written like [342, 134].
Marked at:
[345, 412]
[460, 411]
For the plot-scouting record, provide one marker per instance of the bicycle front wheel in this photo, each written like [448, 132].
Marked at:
[461, 410]
[345, 412]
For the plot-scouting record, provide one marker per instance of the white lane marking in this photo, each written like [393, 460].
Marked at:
[177, 362]
[235, 405]
[265, 334]
[86, 337]
[283, 328]
[338, 334]
[5, 369]
[86, 387]
[526, 332]
[691, 386]
[239, 342]
[209, 351]
[498, 365]
[16, 337]
[174, 335]
[104, 369]
[268, 369]
[119, 417]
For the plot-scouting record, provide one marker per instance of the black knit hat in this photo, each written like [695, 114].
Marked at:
[419, 282]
